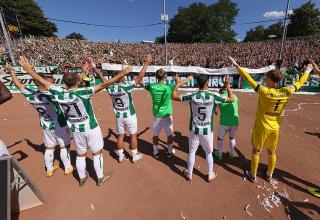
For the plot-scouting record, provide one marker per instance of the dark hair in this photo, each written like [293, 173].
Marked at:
[70, 79]
[46, 75]
[114, 73]
[305, 63]
[202, 80]
[275, 75]
[222, 90]
[160, 74]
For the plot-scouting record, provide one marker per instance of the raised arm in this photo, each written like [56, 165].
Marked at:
[99, 73]
[147, 62]
[15, 79]
[25, 64]
[216, 109]
[316, 69]
[297, 85]
[246, 76]
[175, 95]
[230, 97]
[109, 82]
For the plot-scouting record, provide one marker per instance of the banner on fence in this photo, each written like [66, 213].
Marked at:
[215, 78]
[188, 69]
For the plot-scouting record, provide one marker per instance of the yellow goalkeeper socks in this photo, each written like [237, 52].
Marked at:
[271, 163]
[254, 164]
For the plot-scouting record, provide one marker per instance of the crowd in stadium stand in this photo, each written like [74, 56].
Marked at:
[60, 52]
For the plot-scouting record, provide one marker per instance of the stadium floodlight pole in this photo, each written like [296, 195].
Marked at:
[284, 34]
[6, 37]
[164, 18]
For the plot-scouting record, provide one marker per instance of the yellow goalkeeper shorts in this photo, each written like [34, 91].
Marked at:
[262, 137]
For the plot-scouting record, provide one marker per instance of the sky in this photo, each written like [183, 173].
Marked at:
[142, 12]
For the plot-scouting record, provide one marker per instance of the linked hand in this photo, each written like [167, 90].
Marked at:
[10, 68]
[233, 61]
[148, 59]
[25, 64]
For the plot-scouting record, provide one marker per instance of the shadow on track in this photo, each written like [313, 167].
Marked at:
[111, 146]
[15, 143]
[147, 149]
[73, 155]
[292, 209]
[182, 144]
[317, 134]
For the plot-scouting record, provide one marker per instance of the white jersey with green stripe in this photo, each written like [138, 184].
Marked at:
[77, 107]
[202, 110]
[50, 113]
[122, 99]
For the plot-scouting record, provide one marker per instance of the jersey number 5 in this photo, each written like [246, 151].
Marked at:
[202, 115]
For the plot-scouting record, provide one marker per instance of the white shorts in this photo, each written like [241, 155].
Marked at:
[206, 141]
[59, 136]
[162, 123]
[91, 139]
[3, 149]
[225, 129]
[127, 124]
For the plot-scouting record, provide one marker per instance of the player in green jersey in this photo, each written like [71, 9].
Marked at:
[201, 120]
[162, 111]
[53, 124]
[78, 110]
[126, 120]
[229, 121]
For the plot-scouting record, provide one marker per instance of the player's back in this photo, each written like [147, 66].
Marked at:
[201, 118]
[270, 106]
[41, 101]
[229, 113]
[77, 107]
[161, 99]
[122, 99]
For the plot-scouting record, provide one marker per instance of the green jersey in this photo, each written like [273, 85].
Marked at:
[77, 107]
[161, 99]
[50, 113]
[122, 99]
[202, 111]
[229, 115]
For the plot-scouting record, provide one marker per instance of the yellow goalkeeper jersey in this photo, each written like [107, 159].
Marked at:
[272, 101]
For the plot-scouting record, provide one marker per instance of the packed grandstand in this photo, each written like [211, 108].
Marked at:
[60, 52]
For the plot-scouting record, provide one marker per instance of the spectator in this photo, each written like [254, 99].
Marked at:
[60, 52]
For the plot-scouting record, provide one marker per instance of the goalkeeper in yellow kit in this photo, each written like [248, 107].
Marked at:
[272, 101]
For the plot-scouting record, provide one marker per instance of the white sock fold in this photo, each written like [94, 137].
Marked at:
[134, 151]
[65, 157]
[48, 158]
[98, 165]
[170, 148]
[191, 161]
[155, 149]
[232, 144]
[81, 167]
[120, 152]
[209, 159]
